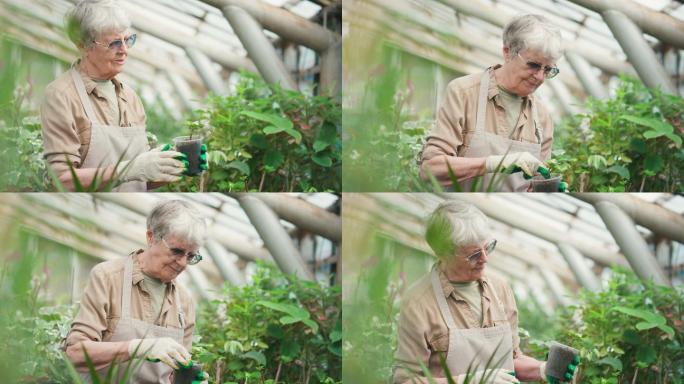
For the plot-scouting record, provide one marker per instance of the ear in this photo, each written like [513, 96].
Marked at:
[150, 238]
[506, 54]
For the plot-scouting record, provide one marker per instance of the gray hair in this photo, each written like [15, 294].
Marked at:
[90, 18]
[179, 218]
[533, 32]
[453, 225]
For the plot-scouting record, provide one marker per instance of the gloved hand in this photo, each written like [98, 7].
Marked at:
[155, 165]
[203, 158]
[492, 376]
[569, 373]
[164, 349]
[201, 378]
[523, 160]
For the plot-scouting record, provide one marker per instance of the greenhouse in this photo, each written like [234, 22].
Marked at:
[266, 287]
[615, 103]
[601, 273]
[258, 82]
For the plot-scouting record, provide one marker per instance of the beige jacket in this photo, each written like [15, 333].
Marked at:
[66, 128]
[456, 119]
[423, 334]
[100, 308]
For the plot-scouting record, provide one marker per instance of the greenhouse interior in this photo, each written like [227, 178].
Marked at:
[620, 80]
[603, 273]
[214, 68]
[267, 289]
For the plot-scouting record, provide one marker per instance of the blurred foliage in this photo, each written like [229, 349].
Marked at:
[630, 142]
[161, 126]
[277, 329]
[381, 144]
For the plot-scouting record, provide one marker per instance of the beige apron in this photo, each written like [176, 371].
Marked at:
[129, 329]
[109, 142]
[474, 345]
[483, 144]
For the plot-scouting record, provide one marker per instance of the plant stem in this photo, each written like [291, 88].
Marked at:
[636, 372]
[280, 365]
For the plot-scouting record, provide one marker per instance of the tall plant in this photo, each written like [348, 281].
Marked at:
[277, 329]
[265, 138]
[630, 142]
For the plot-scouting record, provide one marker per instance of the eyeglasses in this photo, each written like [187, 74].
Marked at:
[476, 256]
[549, 72]
[192, 257]
[116, 44]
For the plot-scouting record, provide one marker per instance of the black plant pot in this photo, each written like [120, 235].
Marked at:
[191, 148]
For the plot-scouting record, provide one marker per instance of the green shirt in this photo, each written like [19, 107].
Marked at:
[472, 294]
[157, 290]
[512, 104]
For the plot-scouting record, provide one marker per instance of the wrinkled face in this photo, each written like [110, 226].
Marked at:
[163, 261]
[527, 70]
[106, 60]
[469, 263]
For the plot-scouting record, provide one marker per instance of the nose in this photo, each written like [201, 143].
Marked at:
[484, 256]
[182, 261]
[540, 75]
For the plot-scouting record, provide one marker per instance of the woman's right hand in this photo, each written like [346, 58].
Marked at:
[490, 376]
[153, 166]
[524, 160]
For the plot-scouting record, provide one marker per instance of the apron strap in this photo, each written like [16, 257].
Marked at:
[535, 121]
[126, 291]
[482, 102]
[179, 308]
[83, 95]
[496, 298]
[441, 301]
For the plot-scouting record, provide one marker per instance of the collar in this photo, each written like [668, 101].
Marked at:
[449, 289]
[493, 88]
[90, 84]
[138, 274]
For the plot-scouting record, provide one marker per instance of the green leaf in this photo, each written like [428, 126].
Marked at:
[638, 145]
[666, 329]
[620, 170]
[645, 325]
[240, 166]
[291, 310]
[656, 125]
[271, 129]
[277, 121]
[596, 161]
[653, 163]
[311, 324]
[294, 133]
[612, 361]
[273, 159]
[326, 137]
[256, 356]
[646, 354]
[289, 350]
[322, 160]
[631, 336]
[649, 317]
[258, 141]
[675, 138]
[275, 331]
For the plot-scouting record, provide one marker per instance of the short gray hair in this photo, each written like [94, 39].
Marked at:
[533, 32]
[179, 218]
[90, 18]
[453, 225]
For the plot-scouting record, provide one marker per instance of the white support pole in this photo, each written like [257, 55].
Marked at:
[259, 48]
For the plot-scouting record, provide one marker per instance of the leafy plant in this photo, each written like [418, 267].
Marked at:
[631, 142]
[268, 139]
[278, 329]
[632, 331]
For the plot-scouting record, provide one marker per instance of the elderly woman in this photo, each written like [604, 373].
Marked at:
[491, 114]
[91, 120]
[133, 307]
[460, 313]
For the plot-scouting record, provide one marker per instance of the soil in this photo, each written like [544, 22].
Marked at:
[191, 148]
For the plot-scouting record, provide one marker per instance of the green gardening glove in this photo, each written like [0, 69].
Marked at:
[569, 373]
[203, 158]
[542, 170]
[201, 377]
[182, 158]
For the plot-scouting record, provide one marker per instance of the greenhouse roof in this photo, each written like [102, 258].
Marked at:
[104, 225]
[465, 36]
[164, 28]
[528, 228]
